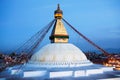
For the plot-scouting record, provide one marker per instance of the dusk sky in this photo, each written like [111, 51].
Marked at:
[99, 20]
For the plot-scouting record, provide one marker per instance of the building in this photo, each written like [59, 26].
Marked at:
[59, 60]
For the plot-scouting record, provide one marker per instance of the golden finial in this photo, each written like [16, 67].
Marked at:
[58, 13]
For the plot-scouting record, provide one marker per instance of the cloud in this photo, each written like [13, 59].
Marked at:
[115, 33]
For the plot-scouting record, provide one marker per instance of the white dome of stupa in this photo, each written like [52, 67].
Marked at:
[59, 52]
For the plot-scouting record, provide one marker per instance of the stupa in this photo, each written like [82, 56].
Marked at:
[59, 51]
[59, 60]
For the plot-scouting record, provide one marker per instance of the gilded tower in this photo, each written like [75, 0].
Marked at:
[59, 33]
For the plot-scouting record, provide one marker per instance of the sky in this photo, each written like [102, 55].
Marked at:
[99, 20]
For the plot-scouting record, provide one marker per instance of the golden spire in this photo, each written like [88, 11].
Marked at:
[59, 33]
[58, 13]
